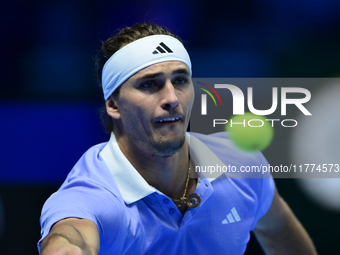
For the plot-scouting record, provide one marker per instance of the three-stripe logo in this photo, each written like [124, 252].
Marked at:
[232, 217]
[162, 48]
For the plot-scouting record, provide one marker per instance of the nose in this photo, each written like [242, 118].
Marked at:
[169, 96]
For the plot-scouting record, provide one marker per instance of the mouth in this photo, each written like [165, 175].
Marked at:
[169, 119]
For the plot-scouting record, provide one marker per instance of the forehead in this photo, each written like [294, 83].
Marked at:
[166, 67]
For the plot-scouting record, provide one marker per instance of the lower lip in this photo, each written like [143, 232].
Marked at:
[168, 122]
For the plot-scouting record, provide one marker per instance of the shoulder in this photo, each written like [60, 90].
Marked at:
[88, 192]
[221, 140]
[92, 168]
[89, 160]
[224, 148]
[91, 175]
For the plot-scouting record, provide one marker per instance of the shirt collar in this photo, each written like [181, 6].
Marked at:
[201, 155]
[131, 184]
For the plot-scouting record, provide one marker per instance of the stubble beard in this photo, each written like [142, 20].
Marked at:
[167, 148]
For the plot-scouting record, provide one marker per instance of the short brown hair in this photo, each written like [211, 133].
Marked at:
[113, 44]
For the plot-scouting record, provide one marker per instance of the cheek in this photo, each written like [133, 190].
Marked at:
[128, 104]
[190, 103]
[190, 99]
[127, 111]
[135, 113]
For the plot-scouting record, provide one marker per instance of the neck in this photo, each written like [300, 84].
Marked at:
[167, 174]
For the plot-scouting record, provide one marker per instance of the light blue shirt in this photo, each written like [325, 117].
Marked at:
[135, 218]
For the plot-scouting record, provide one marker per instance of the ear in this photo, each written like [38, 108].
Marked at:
[112, 108]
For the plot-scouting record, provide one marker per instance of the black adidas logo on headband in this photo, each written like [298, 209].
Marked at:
[162, 48]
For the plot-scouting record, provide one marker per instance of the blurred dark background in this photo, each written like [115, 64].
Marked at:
[50, 102]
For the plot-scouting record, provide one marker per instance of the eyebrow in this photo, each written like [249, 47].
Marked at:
[155, 75]
[181, 71]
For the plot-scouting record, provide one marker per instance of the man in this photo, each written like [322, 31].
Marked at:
[134, 194]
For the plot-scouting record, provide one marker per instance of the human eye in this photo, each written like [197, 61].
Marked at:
[181, 80]
[147, 84]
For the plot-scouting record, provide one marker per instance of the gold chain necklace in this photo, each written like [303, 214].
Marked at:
[183, 200]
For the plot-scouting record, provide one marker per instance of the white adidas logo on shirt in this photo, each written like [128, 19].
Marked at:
[232, 217]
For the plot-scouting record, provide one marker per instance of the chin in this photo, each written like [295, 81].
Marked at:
[169, 147]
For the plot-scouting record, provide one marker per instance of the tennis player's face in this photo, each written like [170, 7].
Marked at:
[153, 108]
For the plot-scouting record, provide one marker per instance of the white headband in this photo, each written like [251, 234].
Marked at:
[140, 54]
